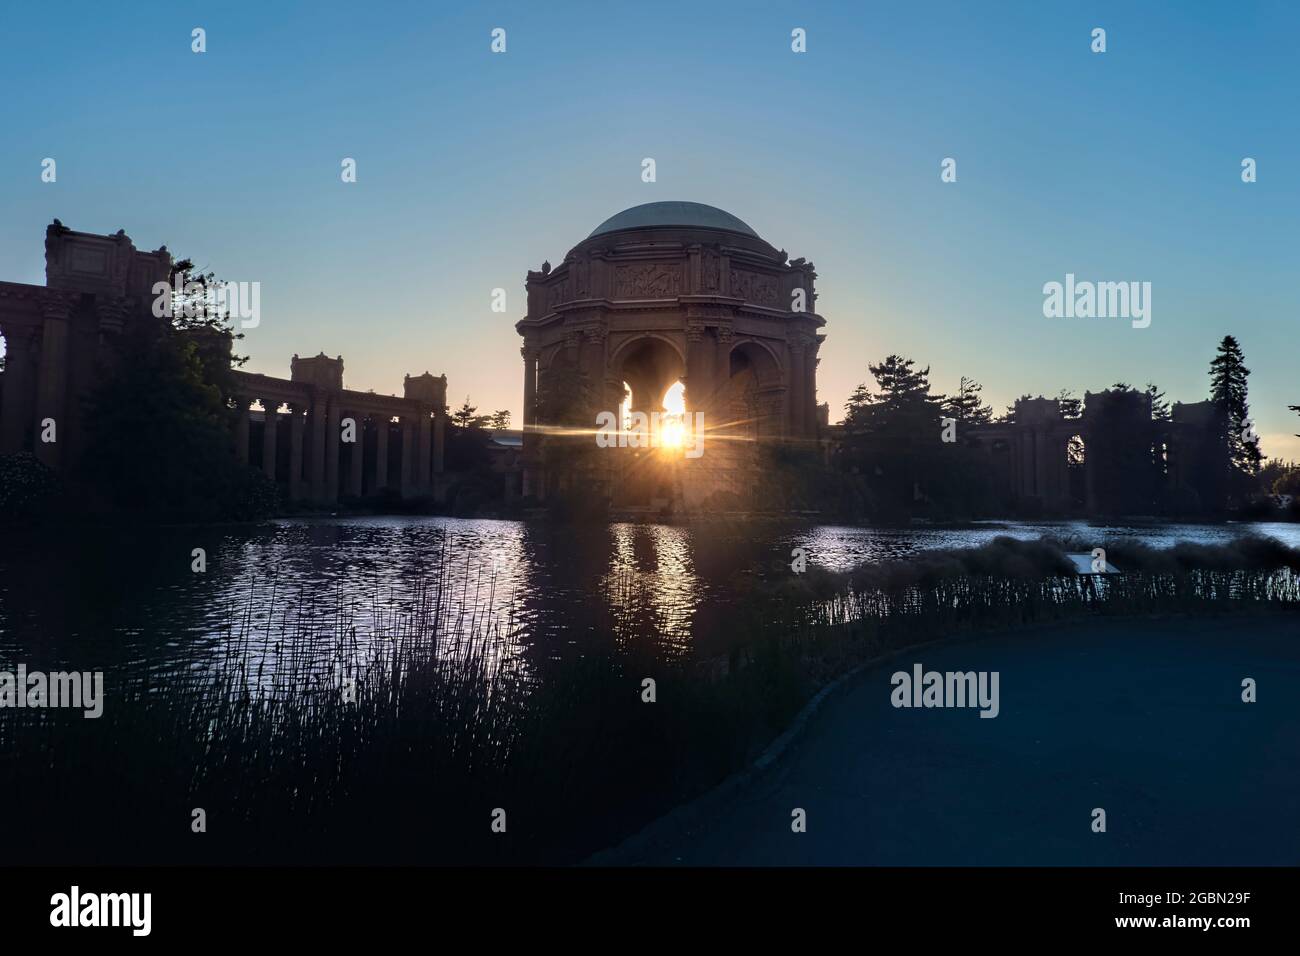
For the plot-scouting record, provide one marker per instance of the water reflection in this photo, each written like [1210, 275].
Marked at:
[540, 592]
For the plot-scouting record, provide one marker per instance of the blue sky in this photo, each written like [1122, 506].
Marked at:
[474, 167]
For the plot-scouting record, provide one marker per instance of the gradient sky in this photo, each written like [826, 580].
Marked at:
[474, 167]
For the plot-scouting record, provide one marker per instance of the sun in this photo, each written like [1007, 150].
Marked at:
[672, 434]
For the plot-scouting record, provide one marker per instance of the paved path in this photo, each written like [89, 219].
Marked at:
[1144, 719]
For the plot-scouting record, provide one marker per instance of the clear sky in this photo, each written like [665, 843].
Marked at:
[474, 167]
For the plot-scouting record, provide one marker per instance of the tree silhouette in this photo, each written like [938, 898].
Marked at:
[1159, 406]
[1228, 375]
[967, 406]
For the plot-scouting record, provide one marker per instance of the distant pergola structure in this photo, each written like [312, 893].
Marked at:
[1029, 457]
[57, 346]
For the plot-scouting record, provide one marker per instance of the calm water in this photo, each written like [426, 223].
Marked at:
[543, 591]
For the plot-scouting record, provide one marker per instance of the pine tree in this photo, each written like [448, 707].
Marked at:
[1228, 374]
[1159, 407]
[967, 405]
[855, 409]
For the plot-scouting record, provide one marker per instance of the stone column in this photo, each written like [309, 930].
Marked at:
[332, 444]
[439, 439]
[269, 437]
[241, 430]
[592, 359]
[316, 466]
[358, 456]
[722, 375]
[381, 452]
[700, 364]
[530, 385]
[19, 386]
[810, 390]
[52, 382]
[296, 423]
[408, 455]
[529, 450]
[425, 438]
[796, 415]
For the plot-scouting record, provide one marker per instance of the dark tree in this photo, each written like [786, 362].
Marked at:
[1009, 416]
[1228, 375]
[467, 440]
[159, 426]
[967, 406]
[159, 441]
[1159, 406]
[893, 439]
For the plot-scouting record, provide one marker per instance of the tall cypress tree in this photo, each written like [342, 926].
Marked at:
[1228, 374]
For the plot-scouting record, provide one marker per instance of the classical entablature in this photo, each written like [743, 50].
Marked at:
[676, 291]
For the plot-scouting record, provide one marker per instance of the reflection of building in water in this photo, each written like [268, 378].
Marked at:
[664, 293]
[59, 344]
[651, 585]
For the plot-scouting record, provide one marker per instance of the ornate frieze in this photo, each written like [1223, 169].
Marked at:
[755, 287]
[648, 280]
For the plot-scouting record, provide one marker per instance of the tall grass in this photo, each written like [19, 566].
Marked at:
[447, 719]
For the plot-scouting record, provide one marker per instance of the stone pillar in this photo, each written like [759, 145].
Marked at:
[381, 452]
[439, 438]
[241, 430]
[358, 456]
[701, 361]
[592, 364]
[722, 375]
[269, 437]
[19, 388]
[408, 455]
[796, 414]
[296, 423]
[425, 438]
[530, 386]
[52, 383]
[529, 451]
[332, 444]
[810, 390]
[316, 465]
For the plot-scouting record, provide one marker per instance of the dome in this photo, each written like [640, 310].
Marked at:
[690, 214]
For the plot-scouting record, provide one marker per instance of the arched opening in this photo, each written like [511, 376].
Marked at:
[751, 400]
[651, 371]
[1076, 454]
[649, 368]
[673, 403]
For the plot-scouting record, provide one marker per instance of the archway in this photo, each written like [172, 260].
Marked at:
[649, 367]
[751, 400]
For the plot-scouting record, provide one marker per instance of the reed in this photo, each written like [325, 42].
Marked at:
[311, 742]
